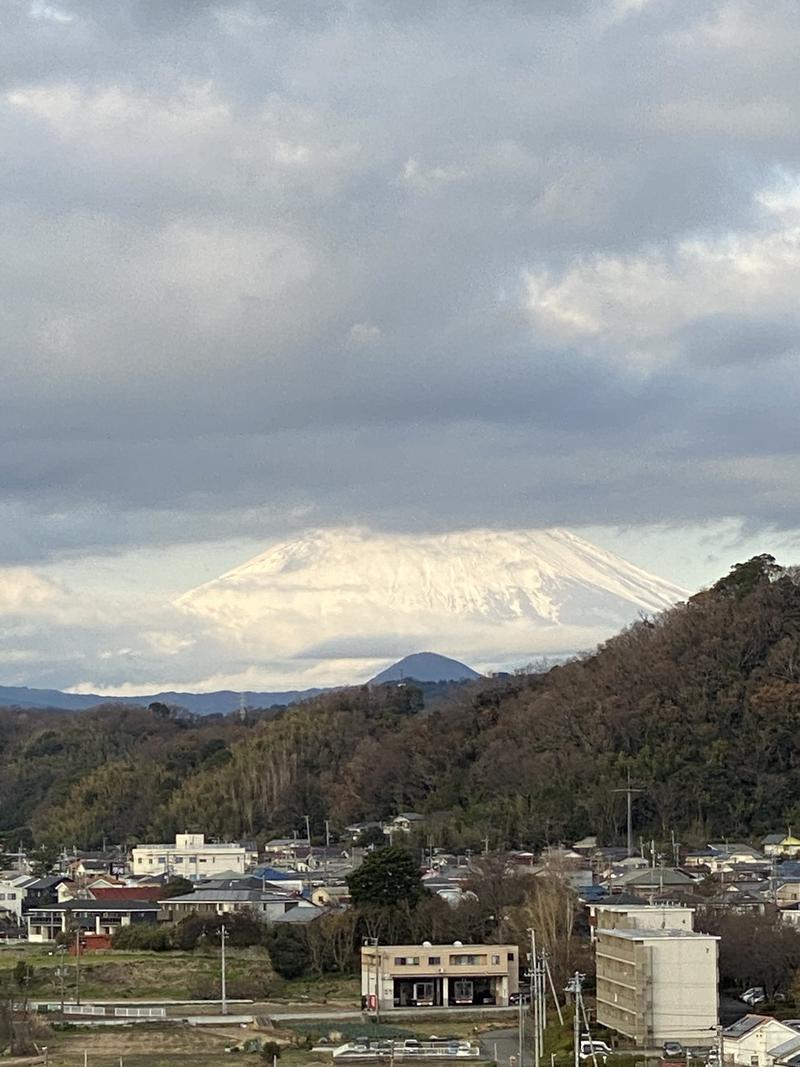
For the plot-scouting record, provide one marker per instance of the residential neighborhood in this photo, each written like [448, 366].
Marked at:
[653, 934]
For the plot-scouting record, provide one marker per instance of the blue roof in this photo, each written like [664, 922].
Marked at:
[271, 874]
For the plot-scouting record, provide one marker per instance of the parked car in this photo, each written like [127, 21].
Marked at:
[754, 995]
[590, 1049]
[673, 1050]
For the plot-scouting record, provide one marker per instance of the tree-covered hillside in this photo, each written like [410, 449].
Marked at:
[701, 705]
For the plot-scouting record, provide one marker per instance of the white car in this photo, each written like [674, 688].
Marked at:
[599, 1049]
[753, 996]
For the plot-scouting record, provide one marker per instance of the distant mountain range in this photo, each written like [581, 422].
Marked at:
[222, 702]
[421, 667]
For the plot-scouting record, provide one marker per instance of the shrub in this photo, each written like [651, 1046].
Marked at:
[148, 936]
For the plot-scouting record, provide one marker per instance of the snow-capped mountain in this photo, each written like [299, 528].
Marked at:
[351, 594]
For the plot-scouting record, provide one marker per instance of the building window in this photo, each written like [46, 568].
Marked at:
[178, 859]
[495, 961]
[434, 961]
[465, 959]
[511, 957]
[406, 961]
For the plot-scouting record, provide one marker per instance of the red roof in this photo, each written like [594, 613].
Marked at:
[128, 892]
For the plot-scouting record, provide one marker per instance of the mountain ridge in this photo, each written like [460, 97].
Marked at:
[435, 668]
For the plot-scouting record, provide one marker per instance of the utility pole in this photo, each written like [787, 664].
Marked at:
[377, 984]
[78, 965]
[575, 986]
[534, 993]
[308, 834]
[542, 1001]
[61, 970]
[223, 934]
[629, 791]
[521, 1033]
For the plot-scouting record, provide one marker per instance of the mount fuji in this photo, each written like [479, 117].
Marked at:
[355, 596]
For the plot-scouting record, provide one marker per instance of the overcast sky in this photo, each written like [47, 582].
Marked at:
[415, 265]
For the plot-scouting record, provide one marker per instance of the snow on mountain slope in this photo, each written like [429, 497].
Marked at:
[351, 593]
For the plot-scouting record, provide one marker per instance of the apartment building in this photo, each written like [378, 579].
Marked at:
[449, 976]
[192, 858]
[656, 985]
[604, 916]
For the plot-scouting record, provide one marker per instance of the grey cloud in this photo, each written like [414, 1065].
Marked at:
[213, 195]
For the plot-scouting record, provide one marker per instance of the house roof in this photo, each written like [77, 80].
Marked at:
[654, 876]
[735, 847]
[127, 892]
[745, 1026]
[50, 881]
[272, 874]
[788, 1048]
[300, 914]
[214, 896]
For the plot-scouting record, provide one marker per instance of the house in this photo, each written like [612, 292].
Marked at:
[586, 846]
[781, 845]
[654, 880]
[326, 896]
[726, 855]
[787, 891]
[356, 829]
[404, 823]
[752, 1040]
[94, 916]
[190, 857]
[285, 880]
[12, 898]
[738, 899]
[442, 976]
[267, 905]
[46, 890]
[657, 985]
[786, 1054]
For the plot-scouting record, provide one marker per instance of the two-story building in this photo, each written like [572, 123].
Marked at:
[448, 976]
[91, 916]
[190, 857]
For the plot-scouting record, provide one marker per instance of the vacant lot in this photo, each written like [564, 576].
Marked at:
[171, 976]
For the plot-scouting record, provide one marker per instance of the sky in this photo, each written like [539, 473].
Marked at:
[415, 266]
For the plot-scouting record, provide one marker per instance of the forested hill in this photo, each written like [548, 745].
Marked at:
[701, 705]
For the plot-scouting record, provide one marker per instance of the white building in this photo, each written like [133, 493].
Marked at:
[657, 985]
[758, 1041]
[640, 917]
[190, 857]
[12, 897]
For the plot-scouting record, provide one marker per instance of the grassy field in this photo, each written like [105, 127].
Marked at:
[172, 975]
